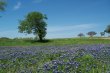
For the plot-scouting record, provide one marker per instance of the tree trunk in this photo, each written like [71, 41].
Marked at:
[40, 38]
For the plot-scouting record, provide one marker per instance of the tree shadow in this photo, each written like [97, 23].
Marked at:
[44, 41]
[38, 41]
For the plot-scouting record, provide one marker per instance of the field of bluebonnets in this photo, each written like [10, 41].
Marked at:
[56, 59]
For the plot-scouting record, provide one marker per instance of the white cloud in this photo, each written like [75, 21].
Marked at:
[17, 6]
[70, 27]
[69, 31]
[13, 34]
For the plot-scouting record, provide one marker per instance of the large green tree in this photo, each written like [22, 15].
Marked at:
[34, 23]
[2, 5]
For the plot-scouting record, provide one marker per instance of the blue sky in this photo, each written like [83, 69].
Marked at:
[66, 18]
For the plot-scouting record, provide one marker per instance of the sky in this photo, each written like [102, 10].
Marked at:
[66, 18]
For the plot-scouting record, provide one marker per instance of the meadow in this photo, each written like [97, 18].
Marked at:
[61, 41]
[86, 53]
[72, 55]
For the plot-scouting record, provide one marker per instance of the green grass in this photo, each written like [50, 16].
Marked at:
[29, 42]
[95, 65]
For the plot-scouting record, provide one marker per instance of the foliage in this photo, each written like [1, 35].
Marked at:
[102, 33]
[107, 30]
[80, 34]
[2, 5]
[34, 23]
[91, 33]
[5, 38]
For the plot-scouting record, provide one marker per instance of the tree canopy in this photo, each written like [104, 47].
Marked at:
[107, 30]
[102, 33]
[91, 33]
[80, 34]
[34, 23]
[2, 5]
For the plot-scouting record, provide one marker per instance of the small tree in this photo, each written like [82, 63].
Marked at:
[80, 34]
[102, 33]
[91, 33]
[2, 5]
[34, 23]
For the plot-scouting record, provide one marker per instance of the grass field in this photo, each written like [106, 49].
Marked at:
[72, 55]
[30, 42]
